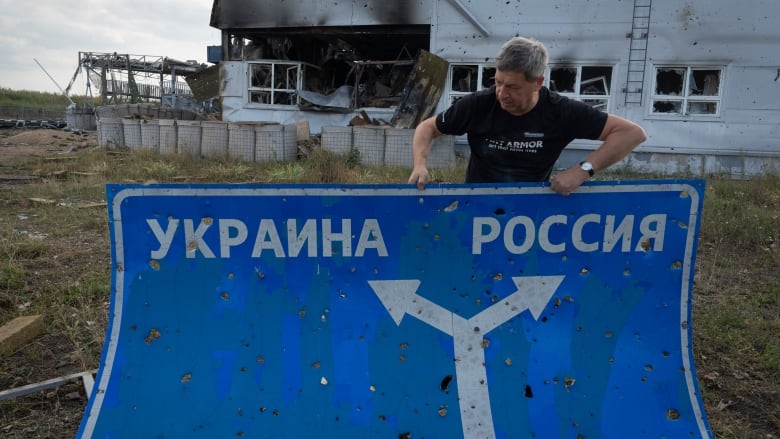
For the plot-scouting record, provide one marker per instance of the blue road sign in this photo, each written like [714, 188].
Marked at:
[382, 311]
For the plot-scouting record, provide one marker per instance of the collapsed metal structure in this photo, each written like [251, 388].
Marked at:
[127, 78]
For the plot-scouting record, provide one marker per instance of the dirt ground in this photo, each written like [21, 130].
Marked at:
[51, 355]
[24, 143]
[55, 355]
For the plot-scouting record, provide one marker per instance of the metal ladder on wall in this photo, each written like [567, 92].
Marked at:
[637, 54]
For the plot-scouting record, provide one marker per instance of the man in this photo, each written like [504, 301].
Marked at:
[517, 129]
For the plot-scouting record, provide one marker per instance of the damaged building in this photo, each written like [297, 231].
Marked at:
[700, 77]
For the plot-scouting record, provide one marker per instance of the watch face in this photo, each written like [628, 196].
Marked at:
[587, 167]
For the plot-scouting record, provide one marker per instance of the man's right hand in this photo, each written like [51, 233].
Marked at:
[419, 177]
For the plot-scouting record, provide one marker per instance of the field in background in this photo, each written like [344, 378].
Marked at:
[55, 261]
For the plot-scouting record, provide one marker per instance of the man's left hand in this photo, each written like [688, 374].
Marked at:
[567, 181]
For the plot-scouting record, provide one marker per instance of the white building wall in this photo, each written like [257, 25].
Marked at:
[742, 36]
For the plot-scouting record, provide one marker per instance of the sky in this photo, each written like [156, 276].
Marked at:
[53, 32]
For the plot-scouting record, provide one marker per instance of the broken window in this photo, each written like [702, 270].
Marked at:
[468, 78]
[274, 83]
[332, 68]
[586, 83]
[687, 91]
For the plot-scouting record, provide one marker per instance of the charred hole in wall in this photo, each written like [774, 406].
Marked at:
[336, 67]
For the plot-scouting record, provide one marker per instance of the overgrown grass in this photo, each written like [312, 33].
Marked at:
[32, 99]
[54, 260]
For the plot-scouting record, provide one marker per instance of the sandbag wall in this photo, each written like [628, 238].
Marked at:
[252, 142]
[267, 142]
[381, 145]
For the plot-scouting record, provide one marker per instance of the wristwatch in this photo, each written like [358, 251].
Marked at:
[587, 167]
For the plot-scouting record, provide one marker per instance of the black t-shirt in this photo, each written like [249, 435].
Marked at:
[507, 148]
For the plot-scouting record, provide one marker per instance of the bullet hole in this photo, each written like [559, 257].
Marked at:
[134, 328]
[153, 335]
[403, 346]
[261, 409]
[302, 313]
[568, 382]
[684, 194]
[673, 414]
[372, 388]
[276, 412]
[186, 378]
[508, 361]
[584, 271]
[676, 265]
[451, 207]
[611, 360]
[529, 393]
[644, 379]
[499, 211]
[243, 370]
[155, 265]
[648, 367]
[442, 411]
[564, 258]
[498, 276]
[665, 354]
[240, 411]
[240, 433]
[556, 302]
[315, 365]
[568, 298]
[436, 237]
[405, 436]
[260, 275]
[445, 383]
[608, 334]
[544, 319]
[225, 296]
[352, 269]
[401, 358]
[645, 245]
[324, 381]
[383, 418]
[230, 275]
[684, 325]
[485, 343]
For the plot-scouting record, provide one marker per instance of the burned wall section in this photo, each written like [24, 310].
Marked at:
[369, 63]
[266, 14]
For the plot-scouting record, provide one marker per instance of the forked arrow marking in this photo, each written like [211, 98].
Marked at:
[533, 293]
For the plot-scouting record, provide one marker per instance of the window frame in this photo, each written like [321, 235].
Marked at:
[577, 94]
[483, 67]
[273, 90]
[686, 98]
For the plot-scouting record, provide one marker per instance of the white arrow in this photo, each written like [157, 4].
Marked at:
[533, 293]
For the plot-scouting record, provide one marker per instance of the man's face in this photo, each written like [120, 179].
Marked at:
[515, 93]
